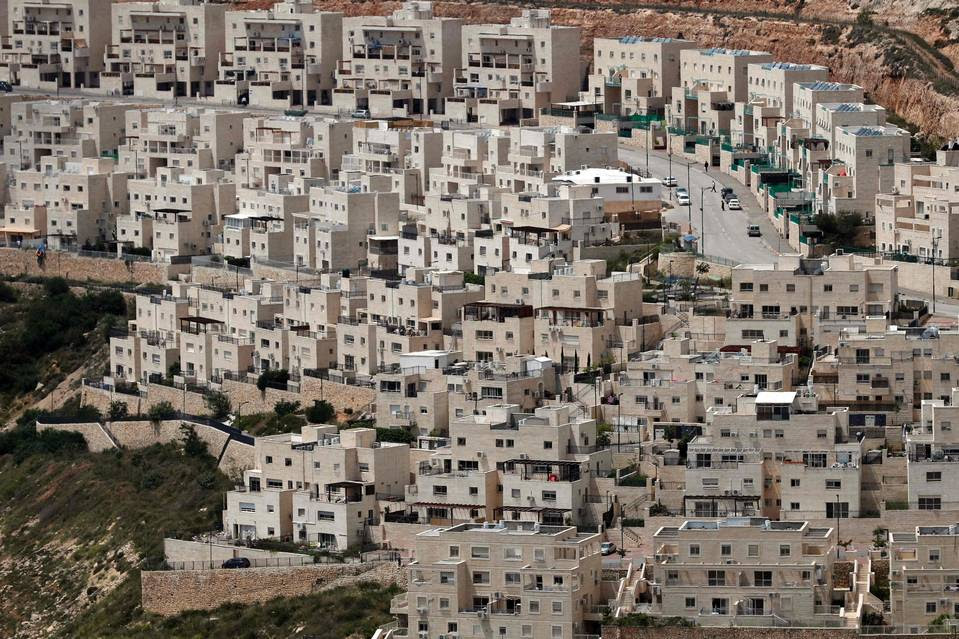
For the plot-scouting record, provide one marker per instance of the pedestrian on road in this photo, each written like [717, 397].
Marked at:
[722, 203]
[706, 167]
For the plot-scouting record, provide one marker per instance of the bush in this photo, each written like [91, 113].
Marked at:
[633, 522]
[658, 510]
[396, 435]
[8, 294]
[193, 446]
[218, 404]
[161, 411]
[24, 441]
[117, 410]
[274, 378]
[473, 278]
[321, 412]
[284, 408]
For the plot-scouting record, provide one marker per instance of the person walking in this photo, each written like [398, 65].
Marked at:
[706, 166]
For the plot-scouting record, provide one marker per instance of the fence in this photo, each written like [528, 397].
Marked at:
[264, 562]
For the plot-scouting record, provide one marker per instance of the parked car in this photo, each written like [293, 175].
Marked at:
[669, 181]
[243, 99]
[752, 230]
[236, 562]
[607, 548]
[682, 197]
[733, 204]
[727, 193]
[5, 86]
[361, 114]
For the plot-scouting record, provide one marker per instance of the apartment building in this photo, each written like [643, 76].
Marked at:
[176, 211]
[677, 384]
[547, 463]
[636, 74]
[336, 231]
[398, 65]
[863, 167]
[53, 44]
[919, 216]
[827, 294]
[774, 82]
[164, 49]
[809, 465]
[832, 115]
[149, 346]
[923, 576]
[81, 200]
[807, 95]
[745, 571]
[318, 486]
[892, 368]
[187, 138]
[536, 156]
[304, 147]
[281, 57]
[720, 69]
[509, 72]
[507, 579]
[931, 449]
[71, 129]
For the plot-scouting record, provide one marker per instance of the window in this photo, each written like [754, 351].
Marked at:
[512, 553]
[833, 484]
[934, 476]
[794, 483]
[247, 507]
[752, 550]
[726, 550]
[479, 552]
[690, 602]
[930, 503]
[785, 550]
[481, 577]
[720, 606]
[930, 607]
[763, 578]
[716, 577]
[454, 552]
[694, 550]
[557, 607]
[934, 554]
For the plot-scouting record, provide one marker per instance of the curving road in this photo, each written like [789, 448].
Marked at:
[725, 230]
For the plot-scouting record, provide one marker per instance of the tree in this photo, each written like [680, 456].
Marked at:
[702, 269]
[193, 446]
[160, 411]
[218, 404]
[273, 378]
[117, 410]
[284, 408]
[321, 412]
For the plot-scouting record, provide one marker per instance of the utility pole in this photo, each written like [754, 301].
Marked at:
[702, 215]
[936, 236]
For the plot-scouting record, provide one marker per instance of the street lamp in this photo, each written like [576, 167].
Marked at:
[702, 215]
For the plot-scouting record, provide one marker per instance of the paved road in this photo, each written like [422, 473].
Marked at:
[725, 230]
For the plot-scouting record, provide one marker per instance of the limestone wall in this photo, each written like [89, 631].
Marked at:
[22, 262]
[171, 592]
[180, 550]
[612, 632]
[98, 439]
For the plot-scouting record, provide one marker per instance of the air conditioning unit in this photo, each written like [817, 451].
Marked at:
[523, 456]
[497, 595]
[422, 610]
[481, 614]
[424, 634]
[480, 454]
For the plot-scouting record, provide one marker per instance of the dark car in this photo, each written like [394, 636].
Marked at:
[727, 193]
[5, 86]
[236, 562]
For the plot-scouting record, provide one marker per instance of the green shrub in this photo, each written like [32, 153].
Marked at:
[284, 408]
[161, 411]
[273, 378]
[117, 410]
[658, 510]
[321, 412]
[193, 446]
[8, 294]
[396, 435]
[633, 522]
[24, 441]
[218, 404]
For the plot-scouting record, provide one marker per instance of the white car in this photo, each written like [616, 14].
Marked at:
[682, 199]
[607, 548]
[669, 181]
[734, 204]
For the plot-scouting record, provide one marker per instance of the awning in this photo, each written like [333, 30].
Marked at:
[433, 504]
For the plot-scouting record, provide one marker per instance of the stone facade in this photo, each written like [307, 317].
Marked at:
[171, 592]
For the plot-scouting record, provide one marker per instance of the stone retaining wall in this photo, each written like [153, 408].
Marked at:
[171, 592]
[612, 632]
[341, 396]
[67, 265]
